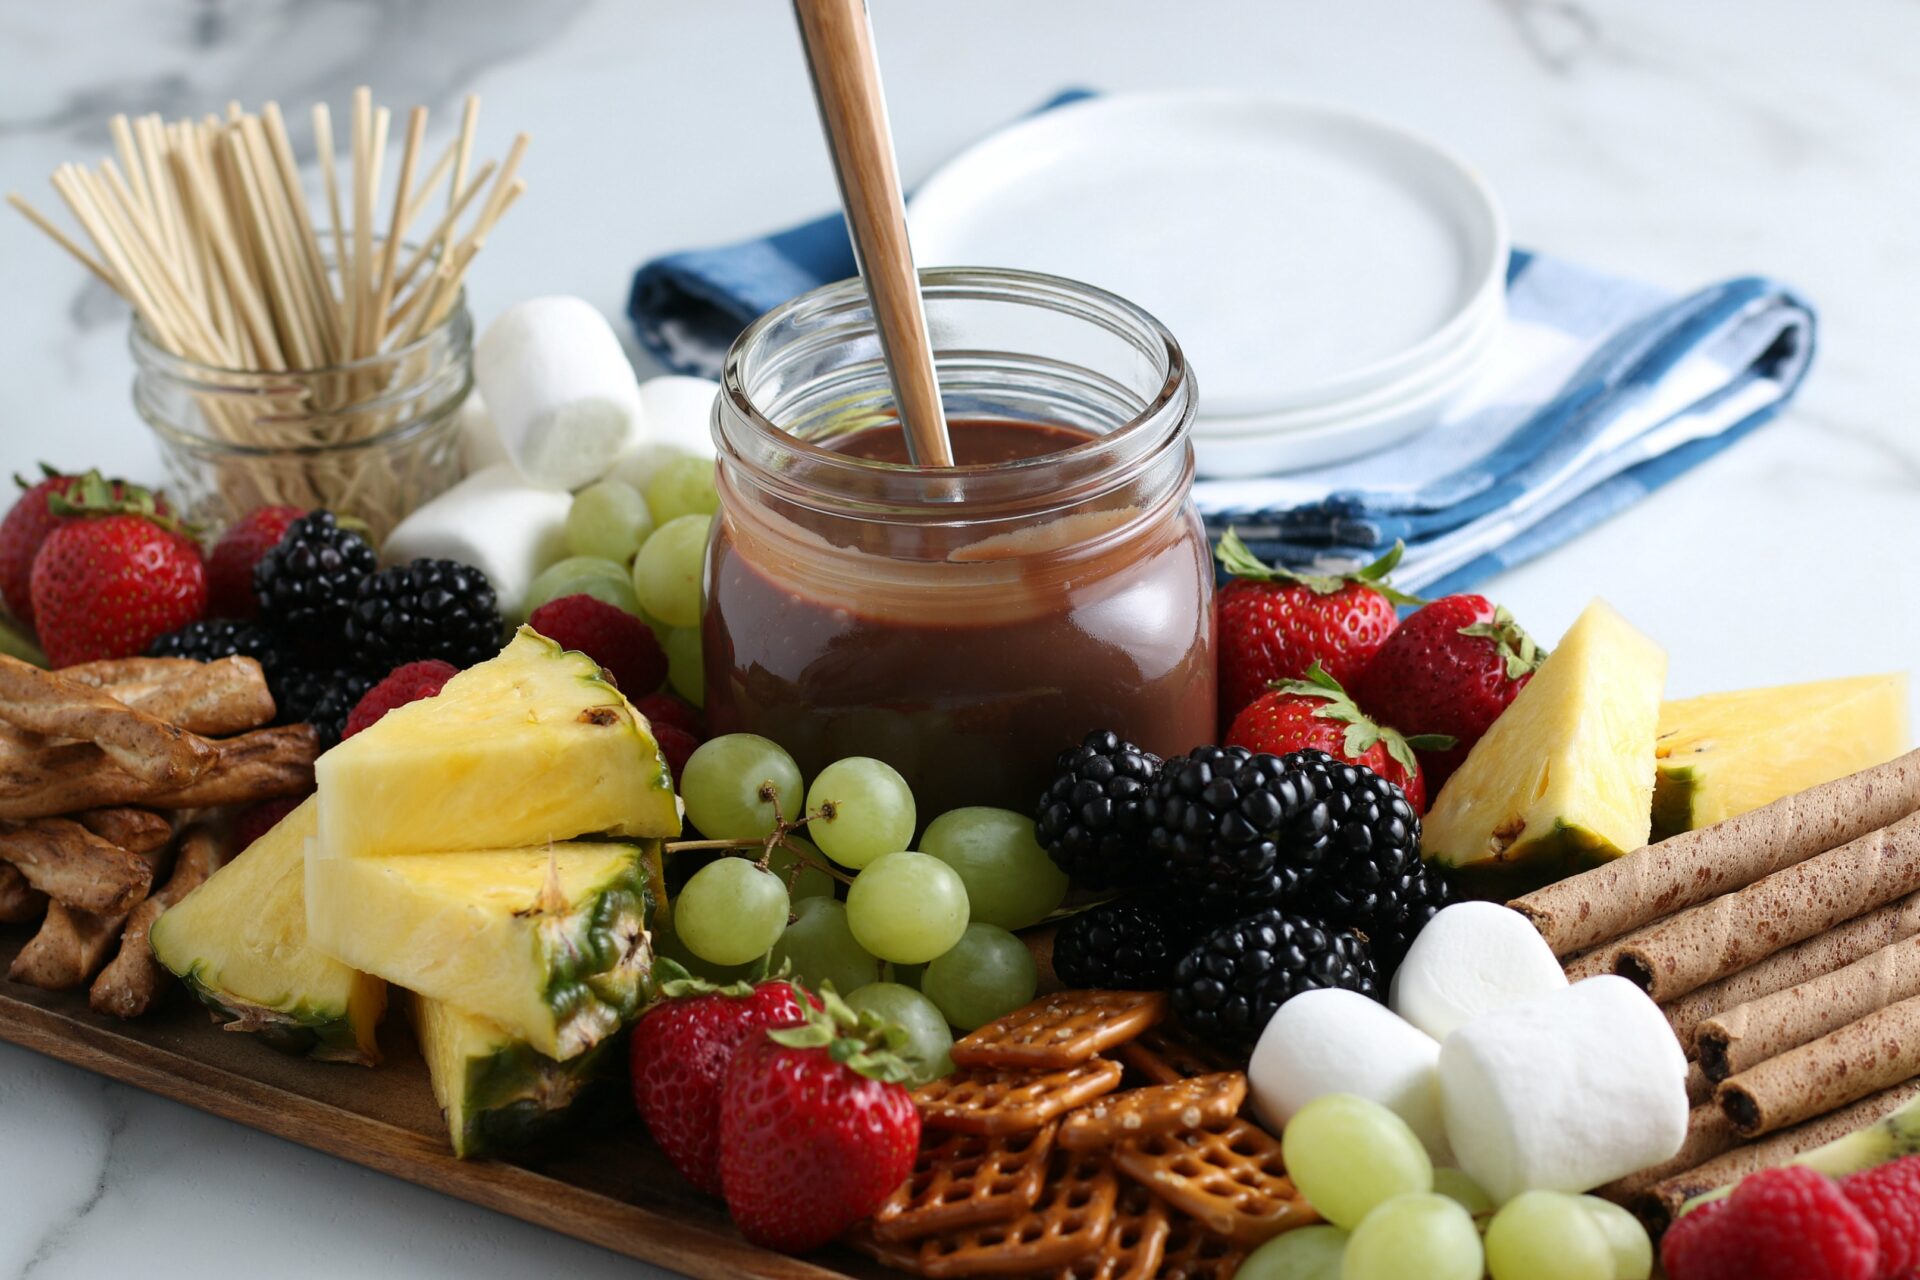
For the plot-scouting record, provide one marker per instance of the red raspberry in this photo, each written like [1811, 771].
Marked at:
[230, 567]
[1790, 1223]
[676, 744]
[410, 683]
[664, 708]
[256, 820]
[624, 646]
[1889, 1196]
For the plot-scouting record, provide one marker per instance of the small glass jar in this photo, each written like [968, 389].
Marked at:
[373, 438]
[963, 624]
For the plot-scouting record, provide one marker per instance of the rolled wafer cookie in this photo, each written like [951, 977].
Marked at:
[1709, 1133]
[1658, 1204]
[1837, 947]
[1696, 866]
[1699, 1088]
[1748, 1034]
[1877, 1052]
[1701, 944]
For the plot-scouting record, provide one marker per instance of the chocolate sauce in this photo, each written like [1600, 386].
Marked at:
[968, 676]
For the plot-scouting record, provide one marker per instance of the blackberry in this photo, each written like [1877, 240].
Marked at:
[306, 584]
[340, 691]
[214, 638]
[1228, 987]
[1126, 946]
[1416, 896]
[1092, 819]
[1237, 829]
[1373, 841]
[425, 609]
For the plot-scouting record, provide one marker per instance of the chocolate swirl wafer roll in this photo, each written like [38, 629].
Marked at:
[1748, 1034]
[1601, 904]
[1687, 951]
[1877, 1052]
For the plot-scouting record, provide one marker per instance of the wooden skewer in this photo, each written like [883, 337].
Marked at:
[853, 111]
[397, 227]
[100, 270]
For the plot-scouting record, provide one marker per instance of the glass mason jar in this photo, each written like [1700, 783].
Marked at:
[372, 438]
[962, 624]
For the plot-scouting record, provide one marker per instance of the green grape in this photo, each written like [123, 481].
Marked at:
[731, 911]
[1010, 879]
[1412, 1234]
[668, 572]
[1626, 1237]
[1547, 1235]
[821, 949]
[906, 907]
[865, 807]
[1462, 1190]
[604, 580]
[609, 520]
[666, 943]
[1306, 1253]
[686, 664]
[812, 882]
[1347, 1154]
[929, 1039]
[725, 784]
[682, 487]
[989, 972]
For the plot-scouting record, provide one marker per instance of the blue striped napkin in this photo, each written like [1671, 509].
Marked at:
[1604, 389]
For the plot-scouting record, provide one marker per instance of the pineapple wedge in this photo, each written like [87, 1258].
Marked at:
[495, 1092]
[1565, 775]
[530, 746]
[239, 942]
[1726, 753]
[549, 942]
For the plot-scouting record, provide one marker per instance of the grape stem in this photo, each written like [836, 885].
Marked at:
[776, 839]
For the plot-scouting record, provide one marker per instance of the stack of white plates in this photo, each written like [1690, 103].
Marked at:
[1337, 283]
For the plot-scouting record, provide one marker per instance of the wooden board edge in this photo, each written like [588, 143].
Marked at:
[616, 1225]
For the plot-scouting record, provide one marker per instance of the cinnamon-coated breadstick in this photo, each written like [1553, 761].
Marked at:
[49, 704]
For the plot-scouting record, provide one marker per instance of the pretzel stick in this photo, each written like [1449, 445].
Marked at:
[262, 765]
[72, 945]
[135, 830]
[70, 864]
[150, 749]
[104, 672]
[20, 902]
[128, 985]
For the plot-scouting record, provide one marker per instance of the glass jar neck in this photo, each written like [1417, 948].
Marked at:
[1011, 347]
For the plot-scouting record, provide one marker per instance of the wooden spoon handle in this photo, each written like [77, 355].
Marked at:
[853, 110]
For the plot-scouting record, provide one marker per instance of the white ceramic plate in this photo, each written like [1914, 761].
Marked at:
[1300, 254]
[1273, 453]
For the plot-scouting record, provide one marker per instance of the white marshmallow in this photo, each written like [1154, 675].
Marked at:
[480, 445]
[1334, 1041]
[676, 421]
[1564, 1091]
[559, 389]
[1472, 958]
[497, 522]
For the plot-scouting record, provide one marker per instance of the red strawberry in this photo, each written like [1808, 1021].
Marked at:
[1274, 623]
[679, 1056]
[1450, 669]
[230, 567]
[27, 525]
[109, 584]
[816, 1128]
[1317, 713]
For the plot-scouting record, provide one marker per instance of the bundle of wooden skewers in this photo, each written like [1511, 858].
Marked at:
[111, 776]
[203, 226]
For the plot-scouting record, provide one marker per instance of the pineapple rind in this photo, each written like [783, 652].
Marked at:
[563, 971]
[495, 1091]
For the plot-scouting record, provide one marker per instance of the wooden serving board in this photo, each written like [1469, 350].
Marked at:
[602, 1182]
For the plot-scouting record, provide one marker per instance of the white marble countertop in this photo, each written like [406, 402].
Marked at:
[1681, 143]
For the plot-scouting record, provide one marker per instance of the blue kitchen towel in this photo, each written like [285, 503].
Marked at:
[1602, 390]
